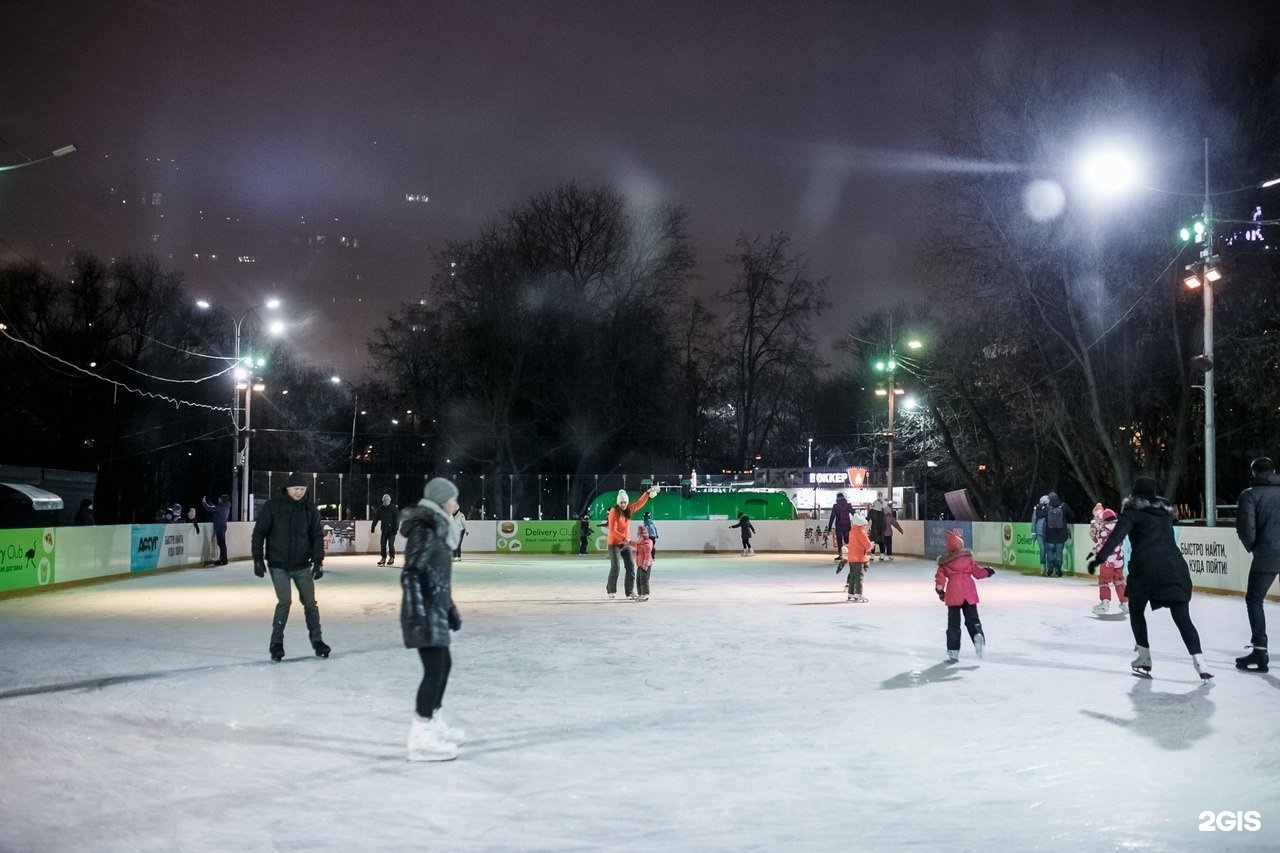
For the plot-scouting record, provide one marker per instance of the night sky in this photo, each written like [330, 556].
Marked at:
[263, 126]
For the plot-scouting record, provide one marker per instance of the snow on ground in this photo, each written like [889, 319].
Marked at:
[746, 706]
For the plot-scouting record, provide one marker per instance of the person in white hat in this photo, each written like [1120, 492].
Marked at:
[618, 527]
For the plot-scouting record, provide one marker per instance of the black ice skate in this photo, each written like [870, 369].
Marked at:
[277, 652]
[1255, 661]
[322, 651]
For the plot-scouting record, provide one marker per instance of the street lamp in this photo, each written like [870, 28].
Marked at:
[250, 385]
[57, 152]
[889, 367]
[355, 410]
[237, 375]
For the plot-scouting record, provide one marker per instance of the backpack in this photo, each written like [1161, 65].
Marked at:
[1055, 518]
[844, 514]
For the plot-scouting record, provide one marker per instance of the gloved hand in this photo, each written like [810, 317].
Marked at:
[1093, 567]
[317, 571]
[990, 570]
[653, 491]
[260, 568]
[373, 527]
[942, 593]
[455, 619]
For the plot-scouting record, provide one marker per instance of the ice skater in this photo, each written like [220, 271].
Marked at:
[1258, 526]
[954, 584]
[856, 551]
[288, 539]
[652, 530]
[744, 524]
[389, 516]
[1158, 573]
[428, 614]
[889, 521]
[842, 520]
[584, 533]
[618, 539]
[1111, 569]
[644, 561]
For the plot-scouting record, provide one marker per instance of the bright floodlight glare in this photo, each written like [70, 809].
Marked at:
[204, 303]
[914, 344]
[910, 402]
[335, 379]
[1270, 183]
[1044, 200]
[1192, 281]
[1109, 171]
[1212, 274]
[880, 392]
[273, 303]
[277, 328]
[64, 150]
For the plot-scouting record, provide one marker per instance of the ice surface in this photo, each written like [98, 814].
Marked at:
[746, 706]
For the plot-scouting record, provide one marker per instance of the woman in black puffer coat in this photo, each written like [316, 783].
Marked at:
[1158, 573]
[427, 614]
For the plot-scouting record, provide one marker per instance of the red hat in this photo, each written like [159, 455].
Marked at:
[955, 541]
[1108, 515]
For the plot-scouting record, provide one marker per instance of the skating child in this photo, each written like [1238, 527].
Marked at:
[954, 583]
[744, 524]
[1111, 570]
[856, 556]
[644, 562]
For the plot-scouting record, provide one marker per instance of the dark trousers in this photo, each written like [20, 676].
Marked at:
[388, 545]
[301, 578]
[855, 577]
[1181, 613]
[457, 552]
[582, 544]
[436, 663]
[220, 534]
[842, 539]
[971, 623]
[1259, 583]
[887, 543]
[624, 553]
[642, 581]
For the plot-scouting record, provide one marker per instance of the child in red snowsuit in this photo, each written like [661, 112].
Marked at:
[1111, 570]
[644, 563]
[954, 584]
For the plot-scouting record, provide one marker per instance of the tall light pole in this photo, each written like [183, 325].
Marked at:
[355, 410]
[251, 384]
[891, 390]
[238, 374]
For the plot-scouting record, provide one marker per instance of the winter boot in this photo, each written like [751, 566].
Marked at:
[448, 732]
[1101, 607]
[277, 652]
[322, 651]
[1124, 607]
[979, 643]
[1255, 661]
[382, 562]
[1141, 665]
[1196, 661]
[426, 742]
[953, 655]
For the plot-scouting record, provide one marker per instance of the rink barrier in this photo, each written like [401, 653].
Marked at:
[34, 559]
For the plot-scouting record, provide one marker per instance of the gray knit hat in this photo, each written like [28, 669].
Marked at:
[438, 490]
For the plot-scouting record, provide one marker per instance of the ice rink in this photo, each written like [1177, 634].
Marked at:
[746, 706]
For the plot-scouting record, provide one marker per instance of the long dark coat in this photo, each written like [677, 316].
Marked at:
[1157, 570]
[427, 579]
[1258, 522]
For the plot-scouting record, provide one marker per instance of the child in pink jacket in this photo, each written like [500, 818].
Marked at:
[1111, 571]
[954, 583]
[644, 562]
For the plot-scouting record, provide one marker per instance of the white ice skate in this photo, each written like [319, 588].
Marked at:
[1101, 607]
[427, 744]
[450, 733]
[1141, 665]
[953, 655]
[1198, 663]
[979, 643]
[1124, 607]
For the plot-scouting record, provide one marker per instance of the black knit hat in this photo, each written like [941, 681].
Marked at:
[1145, 488]
[298, 480]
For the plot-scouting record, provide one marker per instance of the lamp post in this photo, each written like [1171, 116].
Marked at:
[890, 367]
[57, 152]
[237, 459]
[251, 385]
[355, 410]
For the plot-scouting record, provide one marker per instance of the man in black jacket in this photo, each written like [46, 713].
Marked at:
[289, 539]
[389, 515]
[1258, 526]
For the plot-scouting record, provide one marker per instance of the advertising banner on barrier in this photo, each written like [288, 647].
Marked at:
[542, 537]
[935, 536]
[1018, 545]
[148, 540]
[26, 557]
